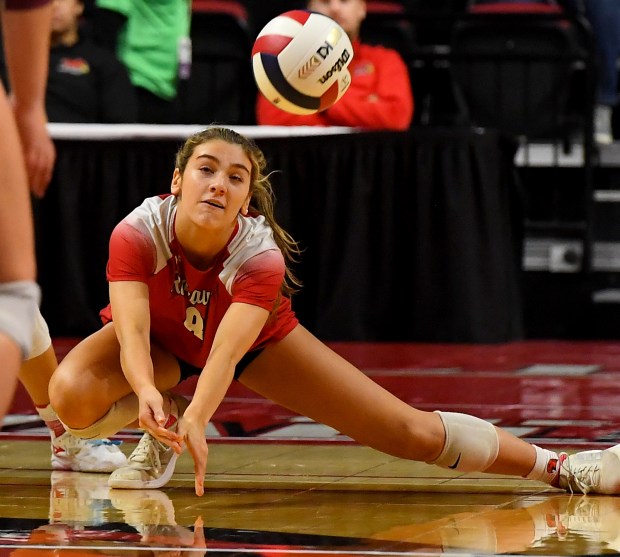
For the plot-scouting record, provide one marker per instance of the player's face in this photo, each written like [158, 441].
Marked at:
[215, 185]
[349, 14]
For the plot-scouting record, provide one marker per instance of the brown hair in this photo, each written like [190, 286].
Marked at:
[262, 197]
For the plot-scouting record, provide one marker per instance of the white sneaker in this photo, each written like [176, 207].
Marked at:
[150, 466]
[591, 471]
[602, 124]
[86, 455]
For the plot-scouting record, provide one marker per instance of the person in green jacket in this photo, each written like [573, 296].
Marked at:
[151, 37]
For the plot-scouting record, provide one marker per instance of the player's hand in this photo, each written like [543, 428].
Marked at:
[151, 418]
[151, 409]
[39, 149]
[192, 432]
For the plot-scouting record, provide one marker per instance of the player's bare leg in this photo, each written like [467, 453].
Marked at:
[92, 371]
[17, 256]
[304, 375]
[67, 451]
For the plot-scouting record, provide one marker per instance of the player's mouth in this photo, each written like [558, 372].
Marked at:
[213, 203]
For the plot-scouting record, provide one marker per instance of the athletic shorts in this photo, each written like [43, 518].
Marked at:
[187, 370]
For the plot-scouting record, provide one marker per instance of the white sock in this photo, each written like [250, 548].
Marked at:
[546, 467]
[49, 416]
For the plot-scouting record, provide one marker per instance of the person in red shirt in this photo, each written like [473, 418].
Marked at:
[200, 284]
[379, 96]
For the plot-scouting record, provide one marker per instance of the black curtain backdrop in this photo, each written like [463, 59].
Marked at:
[407, 236]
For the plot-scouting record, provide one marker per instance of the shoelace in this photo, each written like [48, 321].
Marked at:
[585, 477]
[146, 455]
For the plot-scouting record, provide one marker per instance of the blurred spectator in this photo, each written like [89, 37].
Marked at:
[86, 83]
[604, 18]
[379, 96]
[150, 38]
[487, 2]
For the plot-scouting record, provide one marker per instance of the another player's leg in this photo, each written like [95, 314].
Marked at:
[304, 375]
[12, 358]
[68, 452]
[19, 294]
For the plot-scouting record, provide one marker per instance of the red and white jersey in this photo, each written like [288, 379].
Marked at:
[187, 304]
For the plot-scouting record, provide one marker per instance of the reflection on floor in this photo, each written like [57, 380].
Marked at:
[278, 484]
[361, 503]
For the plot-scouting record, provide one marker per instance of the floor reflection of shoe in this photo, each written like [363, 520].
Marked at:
[591, 471]
[78, 498]
[85, 455]
[143, 507]
[150, 466]
[151, 512]
[595, 518]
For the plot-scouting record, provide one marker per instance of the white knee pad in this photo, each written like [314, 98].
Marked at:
[471, 445]
[19, 301]
[41, 339]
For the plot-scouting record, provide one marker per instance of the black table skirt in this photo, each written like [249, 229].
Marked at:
[407, 236]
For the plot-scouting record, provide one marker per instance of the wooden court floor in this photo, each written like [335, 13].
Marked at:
[279, 484]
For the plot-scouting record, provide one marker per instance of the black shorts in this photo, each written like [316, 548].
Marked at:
[187, 370]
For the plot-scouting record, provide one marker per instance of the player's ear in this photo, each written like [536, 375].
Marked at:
[246, 205]
[175, 186]
[363, 9]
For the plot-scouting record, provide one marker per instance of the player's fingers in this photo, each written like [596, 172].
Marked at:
[170, 438]
[35, 176]
[199, 533]
[199, 452]
[40, 167]
[199, 483]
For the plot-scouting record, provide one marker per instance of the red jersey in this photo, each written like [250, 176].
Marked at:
[187, 304]
[24, 4]
[379, 96]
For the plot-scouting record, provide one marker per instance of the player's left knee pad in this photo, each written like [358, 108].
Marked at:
[41, 339]
[19, 301]
[471, 444]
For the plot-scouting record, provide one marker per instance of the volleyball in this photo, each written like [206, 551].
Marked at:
[300, 61]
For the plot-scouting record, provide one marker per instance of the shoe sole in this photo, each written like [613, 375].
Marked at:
[63, 468]
[76, 467]
[151, 484]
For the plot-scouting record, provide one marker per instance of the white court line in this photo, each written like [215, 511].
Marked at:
[231, 549]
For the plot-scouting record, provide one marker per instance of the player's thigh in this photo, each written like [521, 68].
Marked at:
[17, 258]
[303, 374]
[92, 370]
